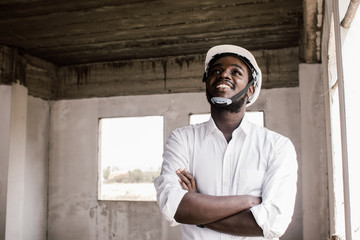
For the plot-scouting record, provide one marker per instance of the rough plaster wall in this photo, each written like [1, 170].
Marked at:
[29, 172]
[5, 109]
[72, 170]
[75, 213]
[314, 153]
[14, 228]
[36, 169]
[282, 114]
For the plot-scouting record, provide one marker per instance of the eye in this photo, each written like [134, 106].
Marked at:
[215, 72]
[236, 72]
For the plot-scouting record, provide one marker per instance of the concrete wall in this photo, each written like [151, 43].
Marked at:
[37, 75]
[36, 169]
[75, 213]
[282, 113]
[73, 209]
[5, 109]
[173, 74]
[59, 172]
[314, 153]
[23, 159]
[16, 161]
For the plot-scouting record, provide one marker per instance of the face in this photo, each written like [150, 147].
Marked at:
[228, 76]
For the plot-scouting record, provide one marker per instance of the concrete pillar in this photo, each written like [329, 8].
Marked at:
[5, 108]
[314, 153]
[16, 163]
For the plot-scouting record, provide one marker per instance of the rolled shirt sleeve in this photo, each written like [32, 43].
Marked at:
[169, 191]
[275, 212]
[168, 197]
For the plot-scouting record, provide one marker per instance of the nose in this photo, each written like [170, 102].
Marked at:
[225, 74]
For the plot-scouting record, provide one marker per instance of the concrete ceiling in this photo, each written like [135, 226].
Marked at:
[68, 32]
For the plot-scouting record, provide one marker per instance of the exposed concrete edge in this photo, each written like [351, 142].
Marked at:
[163, 75]
[37, 75]
[310, 51]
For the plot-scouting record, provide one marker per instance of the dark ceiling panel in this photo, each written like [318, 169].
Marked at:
[84, 31]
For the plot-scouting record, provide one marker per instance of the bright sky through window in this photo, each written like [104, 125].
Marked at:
[130, 155]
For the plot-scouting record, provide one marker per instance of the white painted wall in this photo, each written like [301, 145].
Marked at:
[75, 213]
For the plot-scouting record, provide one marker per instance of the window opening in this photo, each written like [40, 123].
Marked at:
[130, 157]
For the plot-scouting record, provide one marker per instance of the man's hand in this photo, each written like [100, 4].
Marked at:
[186, 181]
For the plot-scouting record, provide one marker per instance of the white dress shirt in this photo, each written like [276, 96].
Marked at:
[256, 162]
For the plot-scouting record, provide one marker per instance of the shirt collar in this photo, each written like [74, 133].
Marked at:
[210, 126]
[244, 126]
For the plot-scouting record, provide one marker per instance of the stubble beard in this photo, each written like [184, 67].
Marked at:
[235, 107]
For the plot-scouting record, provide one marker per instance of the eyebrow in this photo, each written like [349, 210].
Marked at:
[234, 65]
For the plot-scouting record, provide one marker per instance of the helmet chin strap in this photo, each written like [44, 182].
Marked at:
[223, 102]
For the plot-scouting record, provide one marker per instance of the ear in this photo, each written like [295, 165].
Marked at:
[204, 77]
[251, 91]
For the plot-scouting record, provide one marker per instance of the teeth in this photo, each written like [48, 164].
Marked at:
[222, 86]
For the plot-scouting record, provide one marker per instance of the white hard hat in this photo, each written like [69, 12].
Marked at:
[244, 55]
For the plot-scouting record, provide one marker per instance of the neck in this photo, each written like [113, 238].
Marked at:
[227, 121]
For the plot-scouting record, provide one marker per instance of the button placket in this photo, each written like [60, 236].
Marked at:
[226, 169]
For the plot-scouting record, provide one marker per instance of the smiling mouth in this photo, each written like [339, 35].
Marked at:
[223, 86]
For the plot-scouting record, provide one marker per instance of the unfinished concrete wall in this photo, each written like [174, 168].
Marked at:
[75, 212]
[311, 39]
[15, 197]
[314, 153]
[37, 75]
[5, 110]
[178, 74]
[23, 164]
[282, 113]
[36, 169]
[24, 122]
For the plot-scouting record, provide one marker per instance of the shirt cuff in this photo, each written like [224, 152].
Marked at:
[260, 214]
[172, 205]
[272, 224]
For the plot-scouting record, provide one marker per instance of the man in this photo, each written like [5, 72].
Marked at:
[228, 178]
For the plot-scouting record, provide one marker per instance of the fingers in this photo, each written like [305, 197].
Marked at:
[187, 174]
[190, 178]
[186, 181]
[183, 185]
[183, 177]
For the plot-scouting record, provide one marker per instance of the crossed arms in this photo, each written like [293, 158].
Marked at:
[227, 214]
[183, 203]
